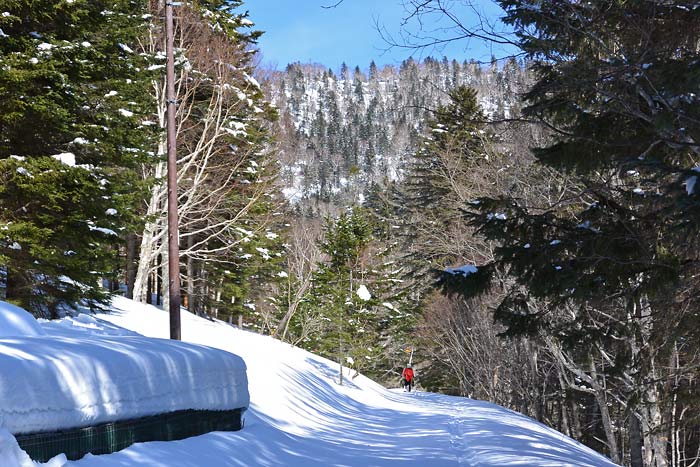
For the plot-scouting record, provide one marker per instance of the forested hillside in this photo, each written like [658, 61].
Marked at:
[343, 131]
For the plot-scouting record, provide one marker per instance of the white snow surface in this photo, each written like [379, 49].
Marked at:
[67, 158]
[16, 322]
[363, 292]
[74, 377]
[11, 455]
[301, 417]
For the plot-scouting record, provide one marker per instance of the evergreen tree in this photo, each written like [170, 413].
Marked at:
[355, 313]
[606, 271]
[72, 98]
[373, 71]
[337, 281]
[456, 144]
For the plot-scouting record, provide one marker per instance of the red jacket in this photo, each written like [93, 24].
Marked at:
[407, 374]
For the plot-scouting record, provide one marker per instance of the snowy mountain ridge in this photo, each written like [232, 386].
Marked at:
[341, 133]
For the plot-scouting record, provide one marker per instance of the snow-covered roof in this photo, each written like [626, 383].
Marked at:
[52, 381]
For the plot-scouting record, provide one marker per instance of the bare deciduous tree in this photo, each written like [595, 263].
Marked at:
[216, 97]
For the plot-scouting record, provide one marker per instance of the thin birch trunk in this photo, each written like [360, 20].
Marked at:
[601, 398]
[190, 277]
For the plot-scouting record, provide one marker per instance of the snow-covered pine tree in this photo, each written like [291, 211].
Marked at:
[72, 97]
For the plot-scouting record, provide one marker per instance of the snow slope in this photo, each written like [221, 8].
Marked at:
[299, 416]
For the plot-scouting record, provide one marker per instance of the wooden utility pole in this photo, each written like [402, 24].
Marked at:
[173, 237]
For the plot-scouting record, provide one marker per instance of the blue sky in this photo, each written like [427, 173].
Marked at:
[304, 31]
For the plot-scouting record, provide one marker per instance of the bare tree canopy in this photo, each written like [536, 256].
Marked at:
[428, 26]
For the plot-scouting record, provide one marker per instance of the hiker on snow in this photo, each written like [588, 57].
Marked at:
[407, 377]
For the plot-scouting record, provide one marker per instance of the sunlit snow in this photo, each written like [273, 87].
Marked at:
[363, 292]
[300, 416]
[67, 158]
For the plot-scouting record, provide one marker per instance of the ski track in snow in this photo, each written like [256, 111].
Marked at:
[300, 417]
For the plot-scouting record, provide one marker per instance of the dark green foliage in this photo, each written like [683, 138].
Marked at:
[454, 134]
[65, 75]
[625, 234]
[336, 282]
[225, 16]
[345, 240]
[427, 202]
[608, 267]
[49, 214]
[69, 86]
[348, 325]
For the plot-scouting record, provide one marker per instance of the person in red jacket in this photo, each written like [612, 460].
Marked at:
[407, 377]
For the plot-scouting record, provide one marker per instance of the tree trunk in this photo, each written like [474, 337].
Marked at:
[152, 233]
[149, 290]
[130, 264]
[11, 285]
[636, 459]
[576, 432]
[190, 271]
[164, 280]
[564, 420]
[159, 280]
[657, 434]
[598, 390]
[16, 289]
[602, 401]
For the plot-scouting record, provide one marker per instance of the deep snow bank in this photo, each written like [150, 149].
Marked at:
[15, 321]
[11, 455]
[51, 382]
[301, 417]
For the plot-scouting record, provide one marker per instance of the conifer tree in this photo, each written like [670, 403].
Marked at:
[338, 279]
[350, 307]
[603, 275]
[439, 181]
[72, 98]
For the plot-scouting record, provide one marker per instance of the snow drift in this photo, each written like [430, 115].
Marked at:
[52, 382]
[15, 321]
